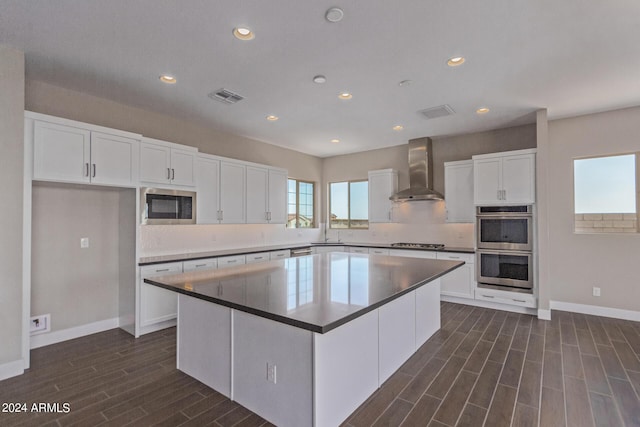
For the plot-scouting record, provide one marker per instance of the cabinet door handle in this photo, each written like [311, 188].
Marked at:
[200, 265]
[258, 257]
[504, 194]
[86, 165]
[94, 171]
[173, 173]
[168, 173]
[488, 296]
[518, 300]
[232, 261]
[454, 257]
[221, 214]
[499, 195]
[160, 271]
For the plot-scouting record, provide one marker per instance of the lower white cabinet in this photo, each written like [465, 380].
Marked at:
[460, 282]
[230, 261]
[379, 251]
[286, 253]
[157, 305]
[323, 249]
[257, 257]
[412, 253]
[200, 264]
[506, 297]
[358, 250]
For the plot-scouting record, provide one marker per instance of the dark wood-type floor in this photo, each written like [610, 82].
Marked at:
[484, 367]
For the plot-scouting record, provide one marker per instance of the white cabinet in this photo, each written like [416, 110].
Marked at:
[157, 305]
[200, 264]
[413, 253]
[358, 250]
[70, 152]
[208, 189]
[286, 253]
[257, 257]
[230, 261]
[323, 249]
[504, 178]
[232, 193]
[266, 195]
[163, 162]
[460, 282]
[506, 297]
[382, 185]
[458, 191]
[379, 251]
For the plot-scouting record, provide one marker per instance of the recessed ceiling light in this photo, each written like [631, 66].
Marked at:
[345, 95]
[272, 118]
[334, 14]
[405, 83]
[320, 79]
[243, 33]
[398, 128]
[166, 78]
[483, 110]
[335, 141]
[455, 61]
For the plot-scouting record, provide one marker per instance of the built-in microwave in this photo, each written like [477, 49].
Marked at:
[160, 206]
[504, 227]
[505, 268]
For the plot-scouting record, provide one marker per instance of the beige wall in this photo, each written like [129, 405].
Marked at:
[578, 262]
[11, 173]
[76, 286]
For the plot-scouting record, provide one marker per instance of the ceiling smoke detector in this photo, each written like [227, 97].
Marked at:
[226, 96]
[439, 111]
[335, 14]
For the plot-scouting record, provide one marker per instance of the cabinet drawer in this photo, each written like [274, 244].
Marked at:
[280, 254]
[454, 256]
[412, 253]
[200, 264]
[259, 257]
[161, 269]
[358, 250]
[230, 261]
[379, 251]
[502, 297]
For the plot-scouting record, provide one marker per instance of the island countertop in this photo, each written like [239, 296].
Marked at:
[316, 292]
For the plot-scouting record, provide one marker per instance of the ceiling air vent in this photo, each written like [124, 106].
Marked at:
[226, 96]
[439, 111]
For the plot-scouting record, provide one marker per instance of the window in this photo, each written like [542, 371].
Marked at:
[349, 204]
[605, 194]
[300, 204]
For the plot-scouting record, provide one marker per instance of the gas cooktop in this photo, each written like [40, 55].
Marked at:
[436, 246]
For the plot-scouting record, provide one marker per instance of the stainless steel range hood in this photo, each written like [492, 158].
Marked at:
[420, 173]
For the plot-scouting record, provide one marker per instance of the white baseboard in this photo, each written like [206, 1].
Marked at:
[42, 340]
[11, 369]
[544, 314]
[596, 310]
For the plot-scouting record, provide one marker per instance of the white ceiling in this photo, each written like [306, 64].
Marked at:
[570, 56]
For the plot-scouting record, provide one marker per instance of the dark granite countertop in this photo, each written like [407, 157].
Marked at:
[240, 251]
[314, 292]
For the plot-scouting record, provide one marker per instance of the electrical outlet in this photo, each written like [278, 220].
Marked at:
[596, 291]
[40, 324]
[84, 242]
[271, 372]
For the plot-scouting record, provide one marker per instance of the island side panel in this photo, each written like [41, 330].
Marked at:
[345, 369]
[427, 311]
[257, 342]
[204, 342]
[397, 329]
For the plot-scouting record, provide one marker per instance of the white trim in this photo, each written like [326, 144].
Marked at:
[38, 341]
[596, 310]
[26, 241]
[544, 314]
[11, 369]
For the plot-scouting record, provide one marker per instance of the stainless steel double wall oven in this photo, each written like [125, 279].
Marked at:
[505, 246]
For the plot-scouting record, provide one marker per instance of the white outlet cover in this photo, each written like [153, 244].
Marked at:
[84, 242]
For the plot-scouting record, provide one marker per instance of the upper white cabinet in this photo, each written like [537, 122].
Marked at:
[68, 151]
[504, 178]
[221, 190]
[164, 162]
[458, 191]
[382, 185]
[266, 195]
[232, 193]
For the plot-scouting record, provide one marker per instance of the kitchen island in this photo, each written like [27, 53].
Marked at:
[304, 341]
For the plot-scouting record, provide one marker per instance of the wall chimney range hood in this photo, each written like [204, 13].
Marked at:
[420, 174]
